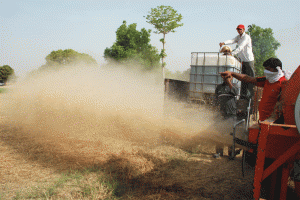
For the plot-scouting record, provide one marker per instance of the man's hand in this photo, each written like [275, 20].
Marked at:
[221, 44]
[227, 54]
[226, 74]
[228, 81]
[238, 76]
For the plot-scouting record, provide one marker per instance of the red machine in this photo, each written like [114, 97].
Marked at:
[280, 142]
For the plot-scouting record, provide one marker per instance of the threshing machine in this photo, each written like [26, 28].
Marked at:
[277, 140]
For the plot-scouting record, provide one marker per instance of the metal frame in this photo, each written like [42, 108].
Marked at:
[237, 140]
[297, 113]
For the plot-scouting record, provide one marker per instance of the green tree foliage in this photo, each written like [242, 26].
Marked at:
[132, 44]
[6, 73]
[165, 19]
[68, 57]
[264, 46]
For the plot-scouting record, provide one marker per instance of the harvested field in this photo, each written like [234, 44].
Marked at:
[161, 172]
[113, 137]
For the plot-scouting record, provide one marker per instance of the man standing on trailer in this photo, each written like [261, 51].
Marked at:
[244, 52]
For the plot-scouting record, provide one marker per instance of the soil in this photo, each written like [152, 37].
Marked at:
[165, 172]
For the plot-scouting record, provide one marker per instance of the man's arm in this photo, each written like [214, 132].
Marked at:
[241, 77]
[233, 41]
[228, 82]
[244, 41]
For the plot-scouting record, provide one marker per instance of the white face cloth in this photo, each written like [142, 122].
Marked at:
[273, 77]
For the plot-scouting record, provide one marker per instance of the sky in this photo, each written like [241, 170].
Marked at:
[32, 29]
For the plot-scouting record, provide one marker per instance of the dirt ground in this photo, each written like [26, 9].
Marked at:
[167, 172]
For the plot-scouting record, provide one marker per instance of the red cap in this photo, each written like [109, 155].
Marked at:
[241, 26]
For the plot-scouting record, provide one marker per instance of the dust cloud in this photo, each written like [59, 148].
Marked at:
[93, 111]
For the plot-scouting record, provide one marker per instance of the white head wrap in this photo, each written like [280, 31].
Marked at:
[273, 77]
[287, 74]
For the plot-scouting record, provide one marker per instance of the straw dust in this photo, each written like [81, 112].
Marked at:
[117, 120]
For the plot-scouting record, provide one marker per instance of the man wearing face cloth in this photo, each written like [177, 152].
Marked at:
[271, 83]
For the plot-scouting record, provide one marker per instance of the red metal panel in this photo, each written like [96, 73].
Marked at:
[260, 160]
[281, 138]
[278, 144]
[253, 135]
[290, 93]
[291, 152]
[284, 181]
[283, 129]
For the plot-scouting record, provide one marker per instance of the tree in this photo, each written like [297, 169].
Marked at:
[132, 44]
[165, 19]
[6, 72]
[68, 57]
[264, 46]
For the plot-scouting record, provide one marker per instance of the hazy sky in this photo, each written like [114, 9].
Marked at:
[31, 29]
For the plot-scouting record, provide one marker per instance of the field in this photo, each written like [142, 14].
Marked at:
[32, 169]
[2, 90]
[112, 138]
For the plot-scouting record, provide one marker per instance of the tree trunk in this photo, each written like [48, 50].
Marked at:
[163, 67]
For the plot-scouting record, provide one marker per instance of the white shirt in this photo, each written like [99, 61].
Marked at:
[244, 50]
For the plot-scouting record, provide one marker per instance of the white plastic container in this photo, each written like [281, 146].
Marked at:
[205, 69]
[214, 59]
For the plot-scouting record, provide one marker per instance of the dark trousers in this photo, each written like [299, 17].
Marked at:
[247, 89]
[230, 119]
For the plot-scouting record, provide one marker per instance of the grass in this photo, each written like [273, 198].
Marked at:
[2, 90]
[84, 184]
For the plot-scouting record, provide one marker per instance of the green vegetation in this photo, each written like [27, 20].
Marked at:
[165, 19]
[69, 57]
[264, 46]
[6, 73]
[132, 44]
[85, 184]
[2, 90]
